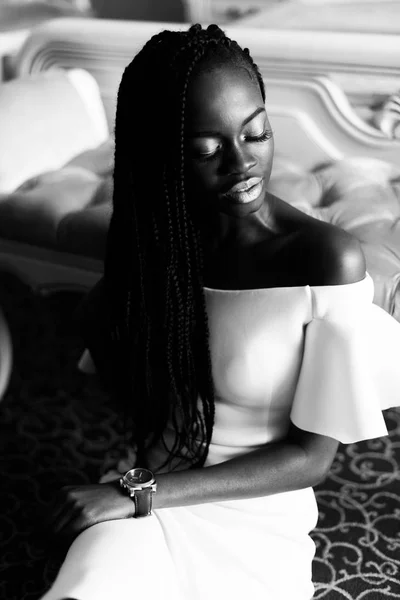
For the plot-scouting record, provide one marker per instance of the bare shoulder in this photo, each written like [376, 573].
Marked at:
[323, 253]
[333, 256]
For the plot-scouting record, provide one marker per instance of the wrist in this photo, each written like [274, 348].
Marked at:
[140, 486]
[170, 489]
[124, 499]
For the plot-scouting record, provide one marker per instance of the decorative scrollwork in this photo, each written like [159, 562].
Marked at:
[387, 117]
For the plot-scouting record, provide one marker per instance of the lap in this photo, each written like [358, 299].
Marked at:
[203, 552]
[117, 559]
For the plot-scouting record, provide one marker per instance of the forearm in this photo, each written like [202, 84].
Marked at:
[298, 462]
[273, 469]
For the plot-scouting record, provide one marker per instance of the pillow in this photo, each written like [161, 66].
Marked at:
[99, 160]
[359, 195]
[46, 119]
[32, 213]
[296, 185]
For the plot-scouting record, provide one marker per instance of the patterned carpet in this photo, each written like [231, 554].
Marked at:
[57, 426]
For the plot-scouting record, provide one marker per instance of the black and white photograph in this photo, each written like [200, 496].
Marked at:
[200, 299]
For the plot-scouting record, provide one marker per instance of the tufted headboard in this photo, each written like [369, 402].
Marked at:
[314, 120]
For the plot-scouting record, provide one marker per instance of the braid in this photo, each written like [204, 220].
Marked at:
[153, 268]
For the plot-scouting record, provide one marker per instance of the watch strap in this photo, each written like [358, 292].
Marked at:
[143, 502]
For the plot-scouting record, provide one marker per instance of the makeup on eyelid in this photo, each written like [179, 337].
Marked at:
[209, 153]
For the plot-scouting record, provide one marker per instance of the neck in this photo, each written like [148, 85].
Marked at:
[222, 231]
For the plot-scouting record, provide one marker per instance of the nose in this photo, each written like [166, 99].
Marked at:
[238, 159]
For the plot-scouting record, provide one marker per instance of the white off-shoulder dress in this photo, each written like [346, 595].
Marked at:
[325, 358]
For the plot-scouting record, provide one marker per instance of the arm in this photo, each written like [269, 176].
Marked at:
[300, 461]
[303, 459]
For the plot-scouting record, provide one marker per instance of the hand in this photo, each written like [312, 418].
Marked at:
[81, 506]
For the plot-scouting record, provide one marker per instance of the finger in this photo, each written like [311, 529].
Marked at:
[60, 501]
[64, 518]
[54, 516]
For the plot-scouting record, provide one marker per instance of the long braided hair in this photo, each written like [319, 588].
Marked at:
[153, 268]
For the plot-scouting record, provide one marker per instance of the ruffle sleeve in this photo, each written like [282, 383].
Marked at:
[350, 370]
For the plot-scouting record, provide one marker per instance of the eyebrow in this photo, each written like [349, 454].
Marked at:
[258, 110]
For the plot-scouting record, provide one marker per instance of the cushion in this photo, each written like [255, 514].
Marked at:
[45, 120]
[84, 232]
[99, 160]
[68, 208]
[32, 214]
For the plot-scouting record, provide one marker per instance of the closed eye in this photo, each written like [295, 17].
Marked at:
[205, 156]
[266, 135]
[263, 137]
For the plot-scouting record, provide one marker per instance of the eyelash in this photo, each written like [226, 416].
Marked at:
[264, 137]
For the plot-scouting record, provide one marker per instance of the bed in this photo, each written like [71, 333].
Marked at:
[325, 148]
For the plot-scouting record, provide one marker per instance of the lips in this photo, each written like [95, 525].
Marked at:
[245, 191]
[244, 186]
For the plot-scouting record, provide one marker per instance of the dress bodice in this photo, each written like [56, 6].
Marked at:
[256, 345]
[322, 357]
[281, 354]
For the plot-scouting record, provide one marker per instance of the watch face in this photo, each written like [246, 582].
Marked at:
[139, 477]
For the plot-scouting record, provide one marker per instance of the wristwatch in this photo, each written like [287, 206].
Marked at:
[140, 484]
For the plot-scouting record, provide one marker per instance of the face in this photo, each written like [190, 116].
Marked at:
[229, 142]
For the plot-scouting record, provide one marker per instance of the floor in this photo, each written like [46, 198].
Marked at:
[57, 427]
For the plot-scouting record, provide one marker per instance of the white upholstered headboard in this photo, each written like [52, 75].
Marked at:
[312, 117]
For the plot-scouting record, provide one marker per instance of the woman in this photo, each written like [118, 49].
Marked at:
[232, 328]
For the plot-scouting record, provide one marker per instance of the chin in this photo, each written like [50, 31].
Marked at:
[241, 210]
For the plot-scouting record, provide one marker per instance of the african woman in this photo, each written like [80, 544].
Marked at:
[237, 334]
